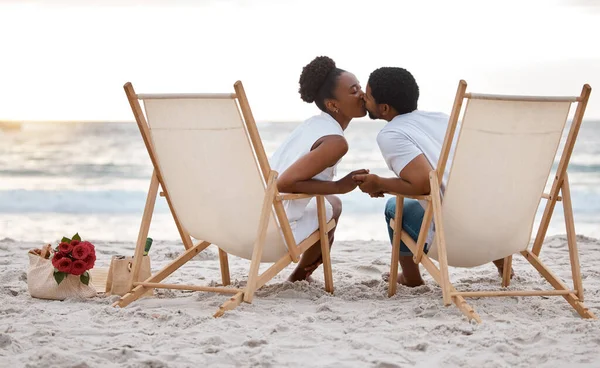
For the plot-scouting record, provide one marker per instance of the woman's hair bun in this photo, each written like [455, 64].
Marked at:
[313, 77]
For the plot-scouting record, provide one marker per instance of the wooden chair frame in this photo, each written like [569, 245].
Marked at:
[272, 199]
[434, 209]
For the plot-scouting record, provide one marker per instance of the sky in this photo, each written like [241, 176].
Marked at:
[68, 59]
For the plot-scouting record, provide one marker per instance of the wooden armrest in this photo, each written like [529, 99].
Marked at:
[290, 196]
[428, 197]
[418, 197]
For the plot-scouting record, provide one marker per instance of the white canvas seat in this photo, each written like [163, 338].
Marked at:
[506, 150]
[210, 163]
[503, 157]
[210, 170]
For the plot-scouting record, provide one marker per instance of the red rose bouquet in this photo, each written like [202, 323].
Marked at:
[73, 257]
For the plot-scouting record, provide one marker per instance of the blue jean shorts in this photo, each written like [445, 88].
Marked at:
[412, 218]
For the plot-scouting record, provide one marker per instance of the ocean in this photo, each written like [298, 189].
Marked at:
[60, 178]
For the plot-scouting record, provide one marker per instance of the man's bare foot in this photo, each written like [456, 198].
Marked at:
[402, 280]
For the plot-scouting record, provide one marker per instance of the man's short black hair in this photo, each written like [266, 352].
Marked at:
[395, 87]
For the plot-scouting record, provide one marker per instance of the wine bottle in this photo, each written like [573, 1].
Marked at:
[148, 245]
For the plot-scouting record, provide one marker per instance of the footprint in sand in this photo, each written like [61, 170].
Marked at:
[253, 343]
[369, 269]
[323, 308]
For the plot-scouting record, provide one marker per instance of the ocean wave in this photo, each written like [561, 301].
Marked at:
[54, 169]
[584, 168]
[75, 201]
[586, 200]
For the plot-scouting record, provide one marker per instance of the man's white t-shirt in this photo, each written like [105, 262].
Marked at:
[407, 136]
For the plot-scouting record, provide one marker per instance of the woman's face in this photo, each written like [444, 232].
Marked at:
[349, 96]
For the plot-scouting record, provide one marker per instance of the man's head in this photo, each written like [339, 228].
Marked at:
[390, 92]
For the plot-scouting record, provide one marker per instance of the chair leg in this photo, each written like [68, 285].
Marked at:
[506, 268]
[440, 238]
[558, 285]
[393, 280]
[144, 228]
[263, 224]
[269, 273]
[458, 300]
[230, 304]
[254, 265]
[572, 237]
[139, 290]
[325, 254]
[425, 224]
[224, 267]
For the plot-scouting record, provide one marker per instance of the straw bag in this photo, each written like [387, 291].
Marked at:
[41, 282]
[120, 273]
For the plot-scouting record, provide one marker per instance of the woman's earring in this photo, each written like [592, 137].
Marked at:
[336, 110]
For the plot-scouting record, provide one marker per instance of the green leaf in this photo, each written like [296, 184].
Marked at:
[59, 276]
[85, 278]
[65, 240]
[77, 237]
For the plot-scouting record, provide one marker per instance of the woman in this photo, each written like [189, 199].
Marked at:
[307, 160]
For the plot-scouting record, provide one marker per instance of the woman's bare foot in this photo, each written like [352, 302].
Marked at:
[501, 272]
[402, 280]
[308, 279]
[297, 276]
[499, 263]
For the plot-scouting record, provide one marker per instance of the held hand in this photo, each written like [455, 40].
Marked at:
[347, 183]
[368, 183]
[377, 195]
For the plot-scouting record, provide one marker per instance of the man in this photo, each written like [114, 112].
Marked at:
[411, 143]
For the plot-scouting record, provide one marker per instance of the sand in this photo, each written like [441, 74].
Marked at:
[300, 325]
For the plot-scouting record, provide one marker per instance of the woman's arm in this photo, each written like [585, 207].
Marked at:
[326, 152]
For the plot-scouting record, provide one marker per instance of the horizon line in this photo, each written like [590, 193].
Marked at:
[98, 121]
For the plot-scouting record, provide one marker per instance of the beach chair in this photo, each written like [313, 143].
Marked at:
[210, 163]
[503, 156]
